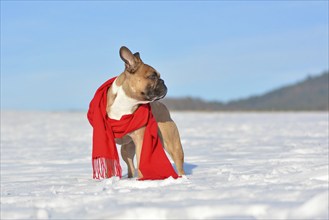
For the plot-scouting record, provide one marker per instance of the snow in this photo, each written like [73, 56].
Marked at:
[239, 165]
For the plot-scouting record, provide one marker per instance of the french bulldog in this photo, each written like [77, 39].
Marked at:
[139, 84]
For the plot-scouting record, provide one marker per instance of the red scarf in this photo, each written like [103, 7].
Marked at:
[154, 163]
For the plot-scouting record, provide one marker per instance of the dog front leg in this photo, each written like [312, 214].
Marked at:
[128, 153]
[138, 137]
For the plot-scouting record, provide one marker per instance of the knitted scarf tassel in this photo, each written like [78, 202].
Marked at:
[106, 168]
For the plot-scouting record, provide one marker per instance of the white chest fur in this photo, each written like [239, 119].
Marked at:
[122, 104]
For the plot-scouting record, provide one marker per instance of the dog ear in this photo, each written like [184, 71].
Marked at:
[137, 55]
[131, 60]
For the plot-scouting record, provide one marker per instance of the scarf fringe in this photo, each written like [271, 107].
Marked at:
[106, 168]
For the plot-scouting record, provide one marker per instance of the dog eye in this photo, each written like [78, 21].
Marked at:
[154, 76]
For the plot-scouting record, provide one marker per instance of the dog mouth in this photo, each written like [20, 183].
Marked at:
[156, 94]
[155, 98]
[158, 98]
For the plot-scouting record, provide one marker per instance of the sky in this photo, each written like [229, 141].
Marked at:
[55, 54]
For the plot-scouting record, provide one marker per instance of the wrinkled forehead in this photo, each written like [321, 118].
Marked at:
[147, 69]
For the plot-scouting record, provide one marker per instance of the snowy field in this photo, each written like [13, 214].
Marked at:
[239, 165]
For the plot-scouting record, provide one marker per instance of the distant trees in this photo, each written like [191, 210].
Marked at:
[311, 94]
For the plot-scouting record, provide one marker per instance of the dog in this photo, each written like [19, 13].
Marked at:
[140, 83]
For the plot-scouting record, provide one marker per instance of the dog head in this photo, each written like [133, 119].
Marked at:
[142, 82]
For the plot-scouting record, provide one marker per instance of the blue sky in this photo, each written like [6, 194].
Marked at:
[55, 54]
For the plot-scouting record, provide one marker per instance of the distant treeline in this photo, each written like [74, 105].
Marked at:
[311, 94]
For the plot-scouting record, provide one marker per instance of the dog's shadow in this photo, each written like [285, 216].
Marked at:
[188, 168]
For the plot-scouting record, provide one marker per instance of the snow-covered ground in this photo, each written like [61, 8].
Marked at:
[239, 165]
